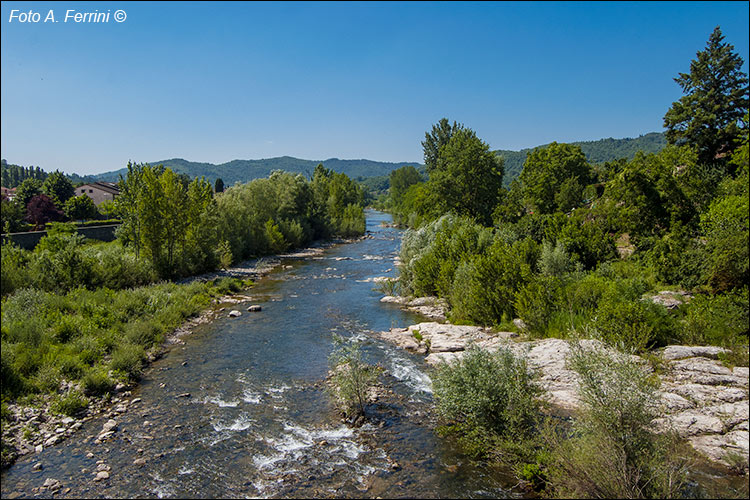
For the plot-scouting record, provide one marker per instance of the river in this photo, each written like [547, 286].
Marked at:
[258, 421]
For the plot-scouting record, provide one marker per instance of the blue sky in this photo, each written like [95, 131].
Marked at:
[215, 82]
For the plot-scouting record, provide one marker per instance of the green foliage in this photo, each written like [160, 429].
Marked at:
[717, 319]
[430, 255]
[467, 177]
[725, 226]
[82, 334]
[710, 114]
[436, 139]
[548, 168]
[554, 261]
[536, 302]
[128, 360]
[487, 396]
[613, 453]
[12, 214]
[225, 254]
[485, 285]
[80, 208]
[351, 378]
[58, 187]
[637, 323]
[400, 180]
[72, 404]
[29, 188]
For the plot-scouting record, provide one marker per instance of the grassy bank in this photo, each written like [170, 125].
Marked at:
[63, 349]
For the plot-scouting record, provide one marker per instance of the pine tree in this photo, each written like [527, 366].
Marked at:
[710, 114]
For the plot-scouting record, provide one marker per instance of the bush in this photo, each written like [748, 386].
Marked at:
[536, 302]
[612, 453]
[638, 324]
[128, 360]
[72, 404]
[717, 319]
[97, 382]
[484, 287]
[352, 378]
[487, 396]
[431, 254]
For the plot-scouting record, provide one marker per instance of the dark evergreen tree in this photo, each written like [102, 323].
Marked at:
[219, 185]
[710, 114]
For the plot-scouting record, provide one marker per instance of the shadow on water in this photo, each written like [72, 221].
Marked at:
[258, 421]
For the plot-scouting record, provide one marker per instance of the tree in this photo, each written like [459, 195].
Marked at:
[12, 215]
[29, 188]
[80, 208]
[41, 209]
[468, 176]
[441, 133]
[400, 181]
[546, 171]
[710, 116]
[219, 185]
[58, 187]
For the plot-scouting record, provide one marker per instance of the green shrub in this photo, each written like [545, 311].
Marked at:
[638, 324]
[717, 319]
[612, 453]
[487, 396]
[536, 302]
[554, 261]
[431, 254]
[484, 286]
[128, 360]
[97, 382]
[351, 378]
[72, 404]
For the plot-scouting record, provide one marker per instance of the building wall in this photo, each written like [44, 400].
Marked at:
[96, 194]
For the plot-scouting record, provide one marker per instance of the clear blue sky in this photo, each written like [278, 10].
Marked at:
[216, 82]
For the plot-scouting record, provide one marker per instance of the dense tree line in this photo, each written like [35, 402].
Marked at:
[577, 250]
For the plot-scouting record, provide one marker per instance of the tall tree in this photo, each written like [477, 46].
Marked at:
[58, 187]
[468, 176]
[438, 137]
[29, 188]
[400, 180]
[710, 114]
[219, 185]
[554, 176]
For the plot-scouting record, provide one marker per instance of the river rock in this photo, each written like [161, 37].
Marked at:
[140, 462]
[234, 314]
[673, 352]
[51, 441]
[101, 475]
[102, 467]
[51, 484]
[37, 467]
[254, 308]
[702, 400]
[109, 425]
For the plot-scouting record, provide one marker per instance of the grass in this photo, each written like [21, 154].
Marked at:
[83, 335]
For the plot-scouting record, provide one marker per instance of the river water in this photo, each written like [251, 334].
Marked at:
[258, 421]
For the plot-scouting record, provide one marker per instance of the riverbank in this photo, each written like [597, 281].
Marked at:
[31, 426]
[702, 399]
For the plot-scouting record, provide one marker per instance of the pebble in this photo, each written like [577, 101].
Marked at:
[139, 461]
[37, 467]
[89, 455]
[101, 475]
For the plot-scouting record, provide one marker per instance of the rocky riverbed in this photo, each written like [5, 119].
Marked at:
[35, 426]
[703, 400]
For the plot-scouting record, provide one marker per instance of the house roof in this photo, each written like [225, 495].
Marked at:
[107, 187]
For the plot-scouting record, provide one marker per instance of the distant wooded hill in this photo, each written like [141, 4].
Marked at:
[246, 170]
[596, 151]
